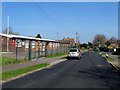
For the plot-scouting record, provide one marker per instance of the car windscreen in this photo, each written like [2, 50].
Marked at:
[73, 50]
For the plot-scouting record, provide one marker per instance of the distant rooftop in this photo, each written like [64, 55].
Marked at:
[67, 41]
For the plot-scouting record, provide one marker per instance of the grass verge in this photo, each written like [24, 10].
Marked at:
[56, 55]
[6, 61]
[107, 58]
[17, 72]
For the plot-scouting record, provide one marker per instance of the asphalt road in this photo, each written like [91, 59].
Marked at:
[91, 71]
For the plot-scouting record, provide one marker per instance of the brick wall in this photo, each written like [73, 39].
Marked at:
[11, 46]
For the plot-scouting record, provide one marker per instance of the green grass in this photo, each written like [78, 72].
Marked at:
[5, 61]
[107, 58]
[56, 55]
[17, 72]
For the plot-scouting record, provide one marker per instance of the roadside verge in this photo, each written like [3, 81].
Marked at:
[114, 62]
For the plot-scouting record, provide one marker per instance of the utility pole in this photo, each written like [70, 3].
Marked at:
[76, 39]
[8, 23]
[79, 39]
[57, 36]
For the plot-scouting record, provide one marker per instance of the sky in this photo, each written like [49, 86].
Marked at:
[66, 18]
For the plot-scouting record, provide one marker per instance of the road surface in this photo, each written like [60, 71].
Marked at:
[91, 71]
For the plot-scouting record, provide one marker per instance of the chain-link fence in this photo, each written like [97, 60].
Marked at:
[35, 50]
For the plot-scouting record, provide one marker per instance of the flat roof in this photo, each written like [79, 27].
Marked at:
[25, 37]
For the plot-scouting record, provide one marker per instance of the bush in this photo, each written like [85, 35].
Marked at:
[104, 49]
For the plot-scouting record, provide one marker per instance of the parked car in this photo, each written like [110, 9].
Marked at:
[74, 52]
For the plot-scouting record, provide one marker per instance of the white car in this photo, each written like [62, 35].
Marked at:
[74, 52]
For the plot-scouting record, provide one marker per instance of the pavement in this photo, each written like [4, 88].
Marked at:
[91, 71]
[116, 60]
[30, 63]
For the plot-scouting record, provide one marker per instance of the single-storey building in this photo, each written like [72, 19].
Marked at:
[10, 42]
[24, 45]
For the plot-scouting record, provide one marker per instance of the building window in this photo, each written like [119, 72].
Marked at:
[33, 44]
[27, 44]
[50, 44]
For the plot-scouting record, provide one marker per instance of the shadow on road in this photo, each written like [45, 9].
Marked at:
[104, 77]
[70, 58]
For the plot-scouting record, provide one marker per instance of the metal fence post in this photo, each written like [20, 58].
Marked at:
[42, 48]
[45, 49]
[57, 48]
[29, 50]
[46, 43]
[64, 48]
[61, 48]
[35, 50]
[38, 49]
[52, 48]
[16, 49]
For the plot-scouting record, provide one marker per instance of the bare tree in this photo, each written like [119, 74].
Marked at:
[10, 31]
[113, 40]
[99, 40]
